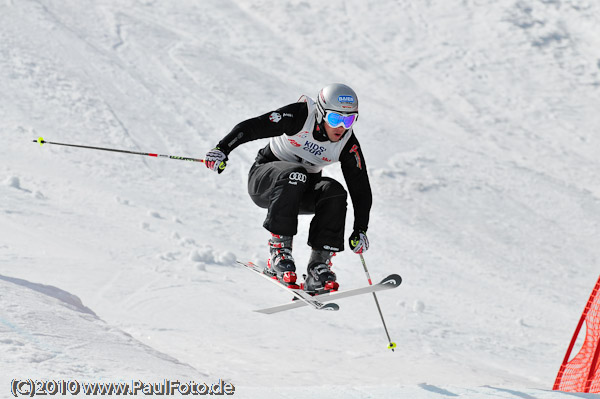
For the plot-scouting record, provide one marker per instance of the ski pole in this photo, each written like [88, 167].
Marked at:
[42, 142]
[392, 345]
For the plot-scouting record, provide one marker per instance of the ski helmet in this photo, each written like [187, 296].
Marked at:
[336, 97]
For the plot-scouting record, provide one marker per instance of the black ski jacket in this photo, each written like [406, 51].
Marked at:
[352, 160]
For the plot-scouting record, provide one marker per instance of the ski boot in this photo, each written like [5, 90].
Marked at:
[320, 279]
[281, 265]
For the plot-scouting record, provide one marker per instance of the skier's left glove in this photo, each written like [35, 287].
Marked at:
[216, 160]
[359, 242]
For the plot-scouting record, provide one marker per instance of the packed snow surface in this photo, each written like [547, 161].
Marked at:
[480, 128]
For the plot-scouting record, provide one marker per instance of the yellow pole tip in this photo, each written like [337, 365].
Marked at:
[392, 345]
[40, 140]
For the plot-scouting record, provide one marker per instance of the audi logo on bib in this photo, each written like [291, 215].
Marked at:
[297, 176]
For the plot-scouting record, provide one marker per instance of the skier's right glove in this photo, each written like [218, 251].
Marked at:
[359, 242]
[216, 160]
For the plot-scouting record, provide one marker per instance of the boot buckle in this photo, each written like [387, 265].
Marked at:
[331, 286]
[289, 277]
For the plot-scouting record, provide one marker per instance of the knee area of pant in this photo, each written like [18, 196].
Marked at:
[333, 188]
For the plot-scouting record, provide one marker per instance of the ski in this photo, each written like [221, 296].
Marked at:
[303, 297]
[390, 282]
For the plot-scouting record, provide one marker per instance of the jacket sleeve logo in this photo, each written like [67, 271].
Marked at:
[354, 150]
[275, 117]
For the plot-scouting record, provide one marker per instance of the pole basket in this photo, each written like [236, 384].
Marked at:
[581, 373]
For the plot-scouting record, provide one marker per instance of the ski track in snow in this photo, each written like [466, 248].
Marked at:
[479, 125]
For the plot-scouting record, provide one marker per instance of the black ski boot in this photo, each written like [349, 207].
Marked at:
[320, 279]
[281, 265]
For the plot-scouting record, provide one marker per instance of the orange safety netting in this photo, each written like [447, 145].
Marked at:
[581, 374]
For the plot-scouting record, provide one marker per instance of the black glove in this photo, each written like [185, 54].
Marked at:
[216, 160]
[359, 242]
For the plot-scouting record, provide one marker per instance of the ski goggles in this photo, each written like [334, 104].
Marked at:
[335, 119]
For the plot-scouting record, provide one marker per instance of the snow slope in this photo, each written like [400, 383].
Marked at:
[479, 125]
[49, 333]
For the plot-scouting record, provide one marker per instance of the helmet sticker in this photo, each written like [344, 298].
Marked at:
[322, 97]
[346, 99]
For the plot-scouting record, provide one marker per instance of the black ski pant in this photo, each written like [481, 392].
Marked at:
[286, 190]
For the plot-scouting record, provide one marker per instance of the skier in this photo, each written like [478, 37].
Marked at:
[286, 180]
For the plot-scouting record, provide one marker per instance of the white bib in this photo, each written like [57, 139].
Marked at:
[302, 147]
